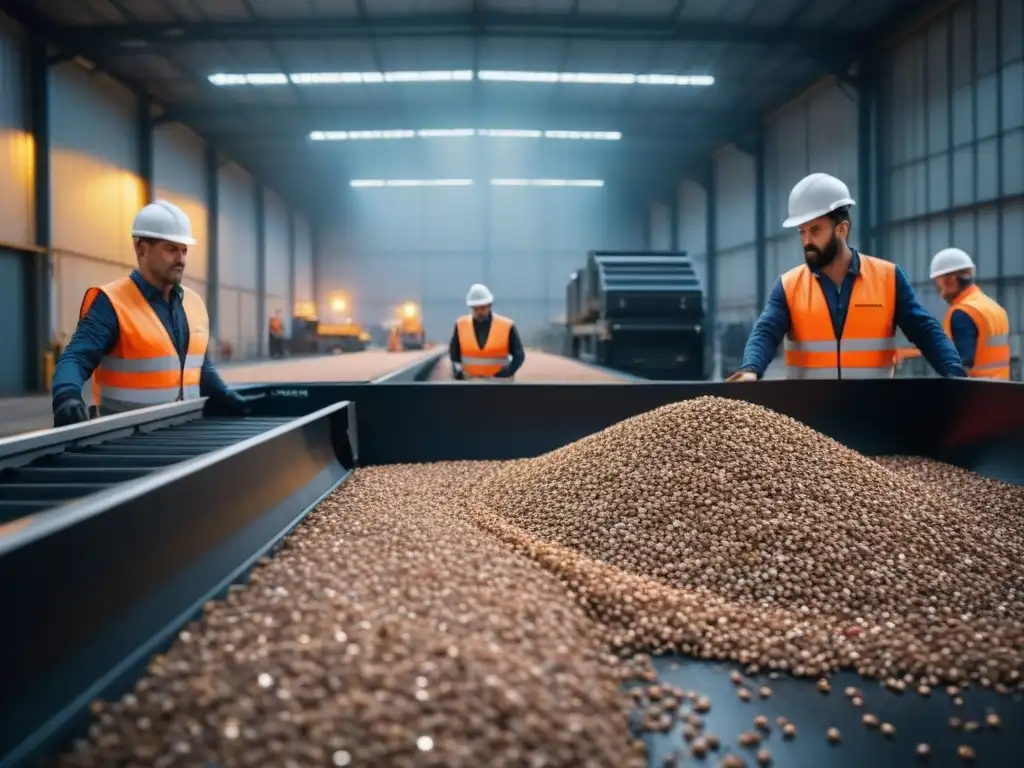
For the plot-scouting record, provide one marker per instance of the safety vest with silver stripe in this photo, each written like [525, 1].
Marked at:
[495, 353]
[992, 354]
[144, 367]
[867, 344]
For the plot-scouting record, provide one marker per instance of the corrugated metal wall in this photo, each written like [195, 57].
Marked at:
[237, 260]
[954, 138]
[278, 256]
[660, 236]
[951, 165]
[96, 190]
[430, 244]
[17, 225]
[179, 176]
[304, 273]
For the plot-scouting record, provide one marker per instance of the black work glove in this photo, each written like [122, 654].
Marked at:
[71, 411]
[458, 374]
[504, 373]
[232, 406]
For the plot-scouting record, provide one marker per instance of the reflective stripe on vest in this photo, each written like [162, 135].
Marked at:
[144, 368]
[992, 355]
[866, 348]
[494, 355]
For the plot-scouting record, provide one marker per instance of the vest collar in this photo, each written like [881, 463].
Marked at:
[854, 265]
[965, 294]
[149, 291]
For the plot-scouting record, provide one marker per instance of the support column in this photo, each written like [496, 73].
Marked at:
[39, 275]
[144, 131]
[867, 98]
[673, 217]
[261, 269]
[711, 322]
[212, 235]
[291, 264]
[760, 215]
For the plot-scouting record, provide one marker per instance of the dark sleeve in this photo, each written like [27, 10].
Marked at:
[515, 348]
[454, 349]
[767, 333]
[94, 337]
[924, 331]
[212, 385]
[965, 336]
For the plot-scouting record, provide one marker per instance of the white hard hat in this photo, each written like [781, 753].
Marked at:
[950, 260]
[163, 221]
[478, 296]
[816, 195]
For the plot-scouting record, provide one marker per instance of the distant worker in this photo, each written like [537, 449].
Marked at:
[275, 331]
[978, 326]
[485, 345]
[838, 312]
[143, 338]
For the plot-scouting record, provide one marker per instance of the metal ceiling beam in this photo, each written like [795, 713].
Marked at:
[468, 25]
[300, 119]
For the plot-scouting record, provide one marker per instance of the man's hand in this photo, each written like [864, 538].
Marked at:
[743, 376]
[70, 412]
[503, 373]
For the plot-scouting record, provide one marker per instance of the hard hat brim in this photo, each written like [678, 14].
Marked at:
[179, 239]
[796, 221]
[479, 303]
[948, 270]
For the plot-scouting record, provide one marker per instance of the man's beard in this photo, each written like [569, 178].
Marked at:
[174, 276]
[821, 258]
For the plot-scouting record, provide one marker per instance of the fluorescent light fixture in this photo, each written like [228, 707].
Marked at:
[447, 133]
[454, 76]
[547, 183]
[343, 78]
[593, 78]
[371, 183]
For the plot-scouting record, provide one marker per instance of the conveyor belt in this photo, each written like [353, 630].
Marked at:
[546, 367]
[59, 478]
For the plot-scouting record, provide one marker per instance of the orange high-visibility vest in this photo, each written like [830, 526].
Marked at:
[866, 348]
[276, 326]
[494, 355]
[144, 368]
[992, 356]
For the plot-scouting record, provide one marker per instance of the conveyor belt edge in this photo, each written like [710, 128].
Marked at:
[100, 592]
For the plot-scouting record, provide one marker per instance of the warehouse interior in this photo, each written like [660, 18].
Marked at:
[567, 533]
[294, 138]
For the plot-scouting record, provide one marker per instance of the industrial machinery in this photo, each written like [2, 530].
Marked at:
[641, 312]
[406, 330]
[114, 533]
[342, 337]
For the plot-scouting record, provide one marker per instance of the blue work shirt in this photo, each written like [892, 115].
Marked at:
[97, 333]
[965, 336]
[920, 328]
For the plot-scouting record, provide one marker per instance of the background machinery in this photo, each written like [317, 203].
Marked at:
[406, 330]
[641, 312]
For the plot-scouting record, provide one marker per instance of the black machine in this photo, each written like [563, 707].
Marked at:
[640, 312]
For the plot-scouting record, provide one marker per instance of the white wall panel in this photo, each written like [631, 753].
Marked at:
[17, 149]
[660, 224]
[236, 241]
[734, 181]
[179, 176]
[95, 183]
[693, 232]
[304, 288]
[278, 258]
[429, 245]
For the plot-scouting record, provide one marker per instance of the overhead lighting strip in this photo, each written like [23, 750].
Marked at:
[448, 133]
[383, 183]
[222, 79]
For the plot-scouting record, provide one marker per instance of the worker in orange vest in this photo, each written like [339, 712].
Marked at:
[838, 312]
[978, 326]
[276, 334]
[143, 338]
[484, 345]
